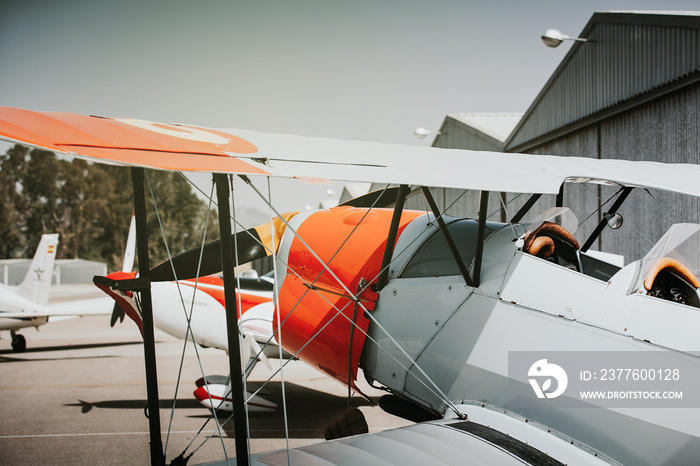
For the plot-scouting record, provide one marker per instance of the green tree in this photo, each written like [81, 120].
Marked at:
[12, 202]
[90, 205]
[180, 212]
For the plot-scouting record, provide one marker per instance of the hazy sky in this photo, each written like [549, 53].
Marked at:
[370, 70]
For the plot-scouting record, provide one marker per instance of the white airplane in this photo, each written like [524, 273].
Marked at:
[27, 304]
[456, 318]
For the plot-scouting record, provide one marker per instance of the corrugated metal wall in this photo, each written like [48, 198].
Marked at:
[632, 92]
[457, 134]
[667, 130]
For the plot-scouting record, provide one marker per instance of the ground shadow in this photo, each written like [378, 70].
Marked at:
[87, 406]
[309, 412]
[48, 349]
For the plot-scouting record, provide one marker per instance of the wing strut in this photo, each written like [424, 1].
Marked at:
[448, 237]
[525, 208]
[560, 196]
[391, 240]
[483, 208]
[234, 350]
[604, 221]
[149, 348]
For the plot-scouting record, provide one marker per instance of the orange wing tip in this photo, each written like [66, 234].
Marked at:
[674, 267]
[130, 141]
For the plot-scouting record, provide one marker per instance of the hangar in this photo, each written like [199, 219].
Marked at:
[630, 91]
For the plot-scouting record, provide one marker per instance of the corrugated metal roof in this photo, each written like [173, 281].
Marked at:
[628, 55]
[496, 125]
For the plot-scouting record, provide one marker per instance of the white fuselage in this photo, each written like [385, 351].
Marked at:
[461, 337]
[11, 302]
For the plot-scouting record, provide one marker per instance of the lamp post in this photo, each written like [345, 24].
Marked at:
[554, 37]
[421, 133]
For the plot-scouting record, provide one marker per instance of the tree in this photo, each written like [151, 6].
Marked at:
[90, 205]
[180, 213]
[11, 201]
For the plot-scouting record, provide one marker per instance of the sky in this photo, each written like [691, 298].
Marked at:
[358, 70]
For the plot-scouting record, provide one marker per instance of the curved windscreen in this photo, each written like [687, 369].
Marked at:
[434, 258]
[682, 243]
[560, 215]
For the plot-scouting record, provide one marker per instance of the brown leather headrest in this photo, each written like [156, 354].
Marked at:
[673, 266]
[542, 246]
[552, 230]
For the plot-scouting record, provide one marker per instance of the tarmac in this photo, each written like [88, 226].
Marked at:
[78, 396]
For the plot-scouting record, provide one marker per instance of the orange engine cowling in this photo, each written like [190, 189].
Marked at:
[351, 242]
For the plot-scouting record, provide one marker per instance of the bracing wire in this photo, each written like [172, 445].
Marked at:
[439, 395]
[275, 300]
[340, 311]
[367, 313]
[188, 331]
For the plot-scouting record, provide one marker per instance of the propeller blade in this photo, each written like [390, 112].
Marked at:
[251, 244]
[379, 198]
[117, 315]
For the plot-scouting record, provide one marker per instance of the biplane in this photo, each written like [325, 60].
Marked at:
[429, 306]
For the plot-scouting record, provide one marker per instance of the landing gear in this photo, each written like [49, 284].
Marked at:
[19, 343]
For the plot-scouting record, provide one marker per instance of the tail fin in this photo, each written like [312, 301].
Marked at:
[37, 282]
[130, 250]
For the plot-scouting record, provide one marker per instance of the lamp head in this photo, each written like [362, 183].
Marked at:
[553, 37]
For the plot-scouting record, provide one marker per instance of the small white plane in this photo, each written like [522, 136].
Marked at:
[27, 304]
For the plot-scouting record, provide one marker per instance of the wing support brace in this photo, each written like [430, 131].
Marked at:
[483, 208]
[448, 237]
[599, 229]
[234, 355]
[525, 208]
[149, 343]
[391, 239]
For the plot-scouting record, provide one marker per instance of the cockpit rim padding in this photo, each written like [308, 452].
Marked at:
[549, 229]
[673, 266]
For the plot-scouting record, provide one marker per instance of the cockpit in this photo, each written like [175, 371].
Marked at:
[669, 271]
[550, 236]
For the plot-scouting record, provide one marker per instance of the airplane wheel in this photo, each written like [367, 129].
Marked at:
[19, 343]
[352, 423]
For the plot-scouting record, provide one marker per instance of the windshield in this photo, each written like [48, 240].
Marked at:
[682, 243]
[561, 216]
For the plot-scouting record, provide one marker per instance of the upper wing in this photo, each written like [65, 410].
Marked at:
[191, 148]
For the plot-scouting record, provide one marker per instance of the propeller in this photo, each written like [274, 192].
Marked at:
[127, 266]
[254, 243]
[117, 315]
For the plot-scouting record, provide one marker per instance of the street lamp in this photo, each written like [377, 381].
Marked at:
[421, 133]
[554, 37]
